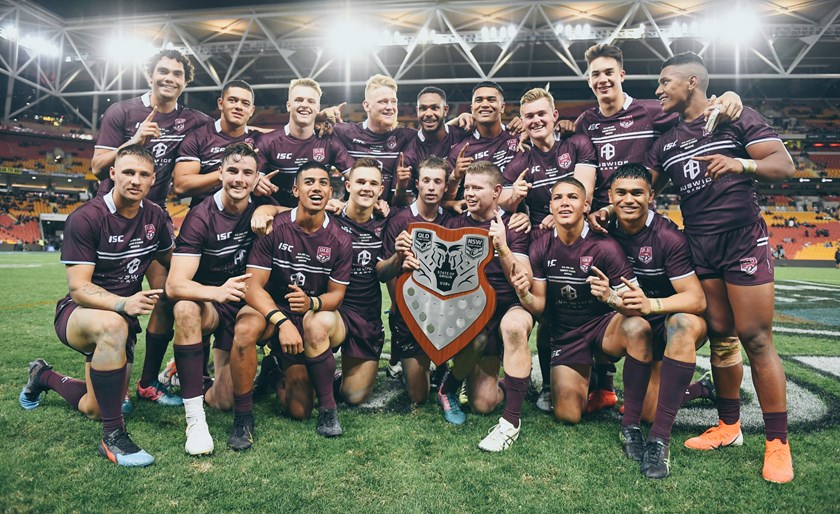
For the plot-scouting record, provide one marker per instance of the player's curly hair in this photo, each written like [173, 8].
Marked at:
[242, 149]
[176, 55]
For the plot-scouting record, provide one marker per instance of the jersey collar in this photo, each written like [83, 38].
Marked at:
[217, 197]
[422, 137]
[627, 101]
[147, 100]
[109, 202]
[416, 212]
[476, 135]
[326, 217]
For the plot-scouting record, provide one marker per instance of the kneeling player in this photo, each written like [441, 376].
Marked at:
[479, 362]
[300, 271]
[587, 312]
[669, 295]
[109, 243]
[208, 282]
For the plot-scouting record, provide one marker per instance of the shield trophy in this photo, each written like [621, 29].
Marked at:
[448, 301]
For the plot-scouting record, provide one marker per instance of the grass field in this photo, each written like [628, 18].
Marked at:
[399, 459]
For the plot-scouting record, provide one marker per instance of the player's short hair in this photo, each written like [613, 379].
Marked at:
[437, 163]
[569, 180]
[138, 151]
[364, 162]
[489, 83]
[241, 84]
[432, 90]
[632, 170]
[311, 165]
[611, 51]
[487, 169]
[378, 81]
[176, 55]
[242, 149]
[306, 82]
[532, 95]
[694, 62]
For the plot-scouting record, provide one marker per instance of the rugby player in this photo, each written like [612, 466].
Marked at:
[432, 175]
[284, 151]
[299, 273]
[109, 243]
[670, 297]
[159, 123]
[207, 282]
[379, 137]
[622, 129]
[198, 166]
[505, 337]
[579, 277]
[715, 175]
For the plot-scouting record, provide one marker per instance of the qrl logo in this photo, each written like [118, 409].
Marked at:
[691, 169]
[298, 279]
[608, 151]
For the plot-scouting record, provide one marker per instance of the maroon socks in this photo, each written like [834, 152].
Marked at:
[322, 374]
[636, 378]
[515, 389]
[156, 345]
[729, 410]
[775, 426]
[674, 377]
[108, 388]
[189, 360]
[70, 389]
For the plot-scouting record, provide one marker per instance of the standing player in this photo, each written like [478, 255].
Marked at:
[300, 268]
[587, 312]
[158, 123]
[491, 141]
[198, 166]
[622, 129]
[378, 137]
[506, 334]
[207, 282]
[284, 151]
[109, 243]
[714, 174]
[431, 184]
[668, 295]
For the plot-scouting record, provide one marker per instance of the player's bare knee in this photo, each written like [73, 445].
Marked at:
[568, 414]
[482, 404]
[299, 409]
[725, 352]
[356, 397]
[636, 329]
[759, 345]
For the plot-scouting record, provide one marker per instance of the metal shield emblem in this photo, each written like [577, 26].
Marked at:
[448, 301]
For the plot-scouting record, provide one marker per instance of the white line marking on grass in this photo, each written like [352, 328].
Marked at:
[21, 266]
[805, 331]
[827, 364]
[813, 285]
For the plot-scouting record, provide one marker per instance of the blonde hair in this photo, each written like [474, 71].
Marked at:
[306, 82]
[532, 95]
[377, 81]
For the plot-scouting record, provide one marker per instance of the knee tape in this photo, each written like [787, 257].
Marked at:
[726, 352]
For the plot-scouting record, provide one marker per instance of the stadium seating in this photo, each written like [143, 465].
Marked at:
[45, 154]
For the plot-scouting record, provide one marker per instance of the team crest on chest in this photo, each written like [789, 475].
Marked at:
[512, 144]
[585, 263]
[565, 160]
[324, 253]
[318, 154]
[179, 125]
[646, 254]
[150, 231]
[392, 142]
[749, 265]
[626, 121]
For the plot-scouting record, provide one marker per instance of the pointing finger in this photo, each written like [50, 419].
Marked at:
[702, 157]
[270, 175]
[402, 163]
[522, 175]
[151, 115]
[294, 288]
[629, 284]
[599, 273]
[463, 151]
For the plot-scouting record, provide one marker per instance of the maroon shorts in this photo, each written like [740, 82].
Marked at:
[577, 345]
[403, 344]
[223, 335]
[495, 346]
[741, 256]
[365, 338]
[659, 334]
[65, 307]
[287, 359]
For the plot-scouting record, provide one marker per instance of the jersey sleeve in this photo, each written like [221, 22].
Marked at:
[677, 256]
[752, 128]
[584, 150]
[165, 242]
[538, 246]
[340, 273]
[660, 120]
[81, 237]
[111, 129]
[189, 148]
[654, 158]
[192, 237]
[340, 156]
[393, 227]
[263, 147]
[517, 242]
[515, 168]
[615, 264]
[262, 253]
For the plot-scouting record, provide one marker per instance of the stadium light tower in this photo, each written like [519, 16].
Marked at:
[128, 50]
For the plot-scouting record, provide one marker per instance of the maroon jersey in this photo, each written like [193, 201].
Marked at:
[206, 146]
[362, 142]
[659, 254]
[420, 148]
[364, 294]
[569, 300]
[516, 241]
[545, 168]
[120, 123]
[624, 137]
[120, 249]
[400, 221]
[220, 239]
[712, 206]
[308, 260]
[279, 150]
[499, 150]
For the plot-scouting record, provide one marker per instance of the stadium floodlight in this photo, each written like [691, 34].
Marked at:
[350, 38]
[10, 32]
[39, 46]
[128, 50]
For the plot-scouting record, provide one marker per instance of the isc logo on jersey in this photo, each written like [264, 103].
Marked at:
[285, 247]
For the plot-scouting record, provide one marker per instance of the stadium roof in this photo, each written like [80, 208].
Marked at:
[78, 56]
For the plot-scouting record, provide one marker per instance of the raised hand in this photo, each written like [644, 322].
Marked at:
[719, 165]
[634, 298]
[233, 290]
[148, 129]
[264, 186]
[521, 187]
[142, 302]
[497, 232]
[520, 281]
[599, 285]
[403, 173]
[461, 164]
